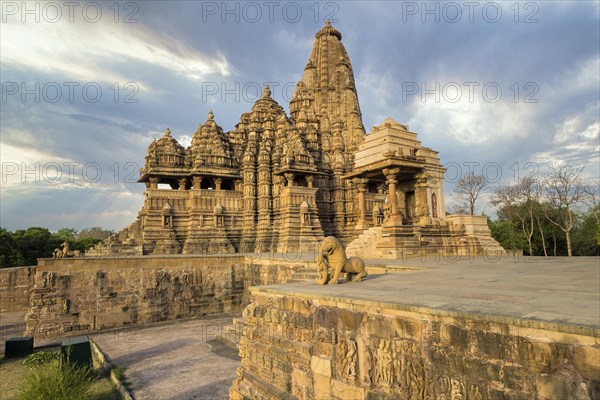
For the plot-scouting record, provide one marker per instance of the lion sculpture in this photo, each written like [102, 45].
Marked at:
[67, 252]
[332, 255]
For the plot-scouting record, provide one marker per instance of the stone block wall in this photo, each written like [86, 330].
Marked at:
[299, 346]
[80, 295]
[15, 288]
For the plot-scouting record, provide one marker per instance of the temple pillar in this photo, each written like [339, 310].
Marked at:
[196, 181]
[309, 180]
[422, 209]
[182, 183]
[218, 182]
[153, 183]
[237, 185]
[361, 188]
[290, 179]
[392, 181]
[401, 198]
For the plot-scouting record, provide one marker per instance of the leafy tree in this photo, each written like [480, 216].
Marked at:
[509, 236]
[586, 235]
[34, 243]
[468, 189]
[65, 234]
[84, 244]
[95, 232]
[10, 254]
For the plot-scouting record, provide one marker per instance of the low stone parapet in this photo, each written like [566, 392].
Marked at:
[15, 288]
[76, 296]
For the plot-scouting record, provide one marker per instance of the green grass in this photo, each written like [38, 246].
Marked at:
[48, 380]
[119, 372]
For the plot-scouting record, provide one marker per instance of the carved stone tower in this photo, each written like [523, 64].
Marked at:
[325, 107]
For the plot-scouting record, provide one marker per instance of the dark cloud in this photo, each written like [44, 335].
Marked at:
[389, 45]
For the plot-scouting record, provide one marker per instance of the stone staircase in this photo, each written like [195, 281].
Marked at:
[364, 245]
[304, 274]
[128, 241]
[231, 334]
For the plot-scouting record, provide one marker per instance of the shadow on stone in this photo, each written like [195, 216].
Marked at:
[218, 348]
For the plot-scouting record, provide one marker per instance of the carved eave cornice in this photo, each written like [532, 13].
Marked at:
[300, 170]
[216, 172]
[375, 169]
[146, 174]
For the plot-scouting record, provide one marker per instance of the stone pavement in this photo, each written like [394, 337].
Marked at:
[178, 360]
[555, 291]
[12, 324]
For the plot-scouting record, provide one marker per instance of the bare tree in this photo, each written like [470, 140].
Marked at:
[563, 189]
[468, 189]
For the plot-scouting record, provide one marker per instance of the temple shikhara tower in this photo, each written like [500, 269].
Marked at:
[281, 183]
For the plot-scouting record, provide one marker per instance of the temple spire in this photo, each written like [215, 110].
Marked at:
[327, 89]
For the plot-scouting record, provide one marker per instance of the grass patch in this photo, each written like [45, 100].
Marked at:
[119, 372]
[57, 381]
[40, 376]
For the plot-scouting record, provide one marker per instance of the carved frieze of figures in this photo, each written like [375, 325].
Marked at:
[443, 387]
[366, 366]
[401, 363]
[383, 370]
[457, 391]
[417, 380]
[475, 393]
[341, 351]
[326, 335]
[48, 279]
[351, 360]
[66, 306]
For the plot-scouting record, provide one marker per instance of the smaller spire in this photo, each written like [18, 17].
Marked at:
[328, 30]
[211, 116]
[167, 132]
[266, 91]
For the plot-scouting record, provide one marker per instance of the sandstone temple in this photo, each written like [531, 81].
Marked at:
[281, 183]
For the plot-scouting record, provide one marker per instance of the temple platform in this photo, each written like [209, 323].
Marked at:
[548, 291]
[476, 328]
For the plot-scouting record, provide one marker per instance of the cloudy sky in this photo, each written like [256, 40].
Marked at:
[505, 87]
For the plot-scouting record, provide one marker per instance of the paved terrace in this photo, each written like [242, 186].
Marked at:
[559, 293]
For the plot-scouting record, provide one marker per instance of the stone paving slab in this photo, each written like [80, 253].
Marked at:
[12, 324]
[179, 360]
[555, 291]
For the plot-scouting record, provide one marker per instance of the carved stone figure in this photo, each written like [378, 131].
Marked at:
[352, 356]
[323, 274]
[57, 253]
[67, 252]
[332, 255]
[384, 363]
[66, 306]
[367, 367]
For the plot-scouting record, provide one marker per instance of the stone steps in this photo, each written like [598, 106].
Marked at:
[231, 334]
[304, 274]
[364, 245]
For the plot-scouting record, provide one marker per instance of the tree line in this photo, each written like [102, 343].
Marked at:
[554, 213]
[25, 246]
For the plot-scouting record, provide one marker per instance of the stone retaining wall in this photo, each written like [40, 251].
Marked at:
[299, 346]
[15, 288]
[81, 295]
